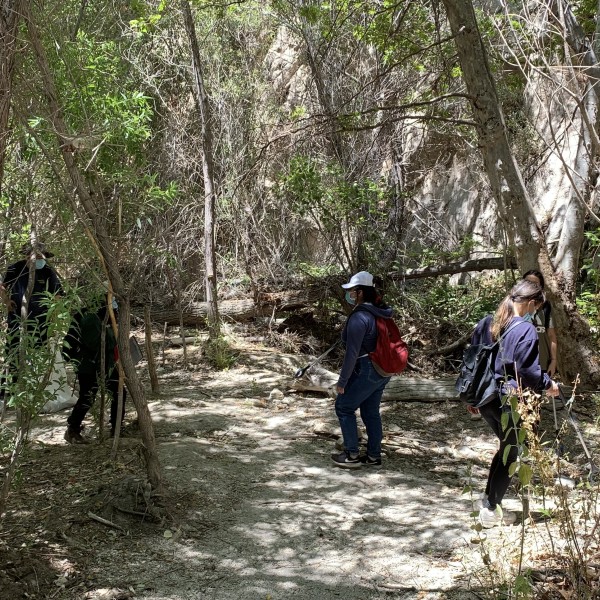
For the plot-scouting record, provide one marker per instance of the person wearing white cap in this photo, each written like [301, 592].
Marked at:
[359, 386]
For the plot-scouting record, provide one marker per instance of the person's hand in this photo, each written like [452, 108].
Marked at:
[552, 367]
[339, 390]
[553, 390]
[472, 409]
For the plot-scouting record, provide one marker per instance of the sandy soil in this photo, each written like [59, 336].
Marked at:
[255, 508]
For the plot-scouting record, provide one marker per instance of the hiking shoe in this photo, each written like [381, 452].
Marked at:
[370, 462]
[345, 461]
[491, 518]
[74, 437]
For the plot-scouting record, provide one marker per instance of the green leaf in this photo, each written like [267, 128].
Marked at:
[505, 455]
[525, 474]
[512, 469]
[504, 420]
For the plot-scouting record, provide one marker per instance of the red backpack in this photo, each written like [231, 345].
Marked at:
[391, 353]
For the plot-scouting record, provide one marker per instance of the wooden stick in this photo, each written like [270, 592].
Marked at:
[91, 515]
[164, 344]
[149, 353]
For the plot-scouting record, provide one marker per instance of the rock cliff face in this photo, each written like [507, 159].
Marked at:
[443, 178]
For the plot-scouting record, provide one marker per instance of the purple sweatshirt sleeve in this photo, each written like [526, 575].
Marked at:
[353, 336]
[520, 357]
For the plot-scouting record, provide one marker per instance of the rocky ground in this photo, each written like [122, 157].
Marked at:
[255, 509]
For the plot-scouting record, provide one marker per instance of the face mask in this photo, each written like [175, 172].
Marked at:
[114, 304]
[349, 299]
[528, 318]
[40, 263]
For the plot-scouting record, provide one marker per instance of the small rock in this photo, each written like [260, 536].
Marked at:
[565, 482]
[369, 518]
[260, 403]
[276, 394]
[466, 452]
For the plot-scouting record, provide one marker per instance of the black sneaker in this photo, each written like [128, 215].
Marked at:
[74, 437]
[345, 461]
[370, 462]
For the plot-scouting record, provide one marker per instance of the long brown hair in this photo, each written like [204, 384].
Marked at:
[524, 291]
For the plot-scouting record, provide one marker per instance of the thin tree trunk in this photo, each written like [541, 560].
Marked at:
[102, 376]
[103, 242]
[10, 17]
[149, 353]
[204, 111]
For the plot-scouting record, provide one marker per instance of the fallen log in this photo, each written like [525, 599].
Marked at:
[266, 305]
[399, 389]
[477, 264]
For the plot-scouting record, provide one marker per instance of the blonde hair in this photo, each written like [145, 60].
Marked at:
[524, 291]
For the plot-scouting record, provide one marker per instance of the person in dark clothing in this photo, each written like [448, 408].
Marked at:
[13, 290]
[83, 345]
[544, 325]
[359, 386]
[517, 370]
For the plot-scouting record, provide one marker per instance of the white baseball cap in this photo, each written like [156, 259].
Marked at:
[361, 278]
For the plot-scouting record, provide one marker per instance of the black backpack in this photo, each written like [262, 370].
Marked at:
[476, 383]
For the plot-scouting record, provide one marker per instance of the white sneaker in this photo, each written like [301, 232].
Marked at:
[491, 518]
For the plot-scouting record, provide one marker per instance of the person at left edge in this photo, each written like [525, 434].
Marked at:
[359, 386]
[12, 291]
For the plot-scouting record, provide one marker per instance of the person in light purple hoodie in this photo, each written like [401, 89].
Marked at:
[359, 386]
[517, 369]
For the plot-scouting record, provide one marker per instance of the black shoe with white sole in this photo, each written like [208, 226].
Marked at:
[346, 461]
[370, 462]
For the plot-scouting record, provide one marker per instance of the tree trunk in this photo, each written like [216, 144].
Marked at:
[96, 229]
[10, 17]
[514, 204]
[208, 171]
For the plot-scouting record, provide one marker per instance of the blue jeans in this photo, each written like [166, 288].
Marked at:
[363, 390]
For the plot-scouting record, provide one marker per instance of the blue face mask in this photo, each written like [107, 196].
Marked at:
[349, 299]
[114, 304]
[40, 263]
[528, 318]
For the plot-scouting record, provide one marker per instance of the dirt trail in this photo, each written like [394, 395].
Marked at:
[257, 511]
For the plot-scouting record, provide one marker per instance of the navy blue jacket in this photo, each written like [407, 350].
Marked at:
[16, 279]
[518, 351]
[360, 336]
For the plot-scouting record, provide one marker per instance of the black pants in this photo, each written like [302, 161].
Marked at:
[88, 388]
[498, 478]
[37, 329]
